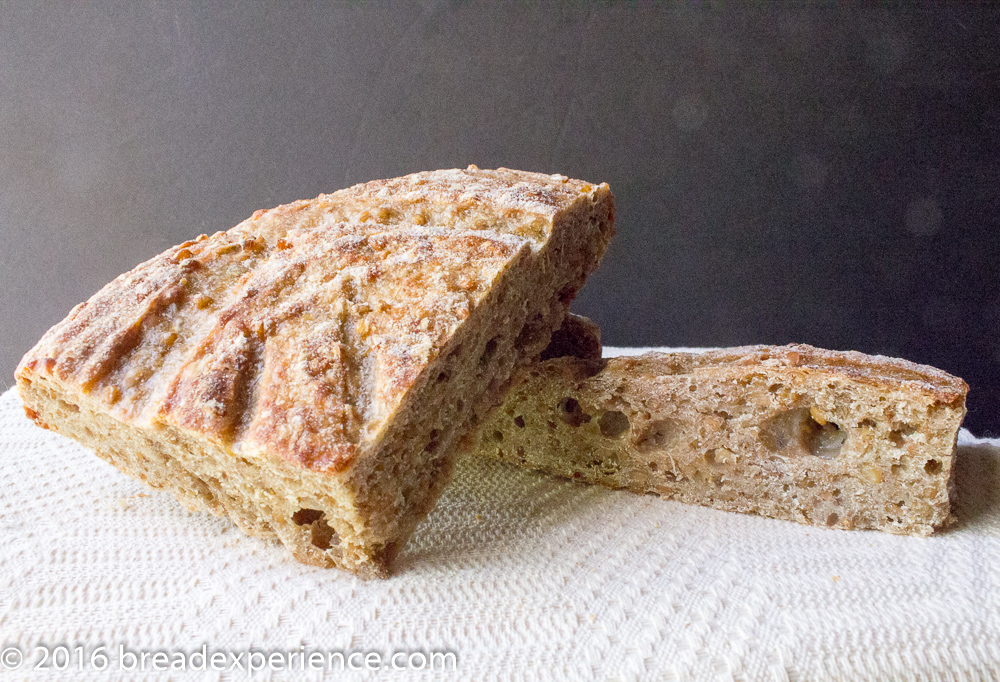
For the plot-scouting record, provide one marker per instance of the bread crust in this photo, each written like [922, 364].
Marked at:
[302, 344]
[878, 371]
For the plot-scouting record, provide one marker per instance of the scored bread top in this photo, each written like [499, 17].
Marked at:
[299, 331]
[875, 370]
[302, 351]
[502, 200]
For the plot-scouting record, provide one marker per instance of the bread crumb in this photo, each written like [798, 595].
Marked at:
[836, 440]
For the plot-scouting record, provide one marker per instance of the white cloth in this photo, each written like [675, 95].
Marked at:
[522, 576]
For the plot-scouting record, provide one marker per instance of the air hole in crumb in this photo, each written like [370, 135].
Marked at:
[70, 407]
[304, 517]
[442, 377]
[571, 412]
[869, 423]
[613, 424]
[933, 466]
[498, 436]
[432, 443]
[652, 466]
[796, 433]
[519, 421]
[657, 435]
[897, 439]
[488, 352]
[322, 535]
[832, 519]
[896, 469]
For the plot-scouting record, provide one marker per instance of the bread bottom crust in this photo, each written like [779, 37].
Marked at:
[819, 447]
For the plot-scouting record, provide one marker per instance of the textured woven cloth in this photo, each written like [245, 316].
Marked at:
[521, 576]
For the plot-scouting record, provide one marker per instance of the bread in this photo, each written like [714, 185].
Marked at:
[826, 438]
[578, 337]
[308, 372]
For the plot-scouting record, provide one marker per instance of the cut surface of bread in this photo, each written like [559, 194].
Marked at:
[308, 372]
[827, 438]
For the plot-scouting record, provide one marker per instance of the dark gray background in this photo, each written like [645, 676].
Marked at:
[816, 174]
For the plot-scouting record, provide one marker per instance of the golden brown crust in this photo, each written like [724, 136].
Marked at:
[502, 200]
[271, 373]
[876, 370]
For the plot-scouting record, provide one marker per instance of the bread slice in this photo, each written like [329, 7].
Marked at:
[308, 372]
[837, 439]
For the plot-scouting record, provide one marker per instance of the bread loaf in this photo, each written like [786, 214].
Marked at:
[836, 439]
[308, 372]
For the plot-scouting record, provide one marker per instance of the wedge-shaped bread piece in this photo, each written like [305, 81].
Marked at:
[308, 372]
[827, 438]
